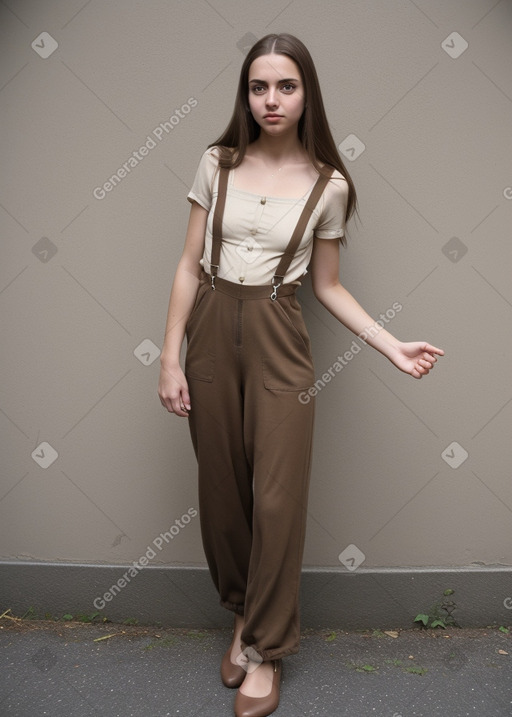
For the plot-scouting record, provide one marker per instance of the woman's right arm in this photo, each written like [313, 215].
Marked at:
[172, 386]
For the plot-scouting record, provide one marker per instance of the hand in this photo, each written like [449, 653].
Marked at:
[173, 390]
[415, 358]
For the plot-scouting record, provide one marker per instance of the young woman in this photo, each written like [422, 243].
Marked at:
[270, 196]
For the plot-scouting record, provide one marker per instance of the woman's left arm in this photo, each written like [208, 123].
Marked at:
[415, 358]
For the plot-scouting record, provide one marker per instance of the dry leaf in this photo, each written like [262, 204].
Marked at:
[502, 652]
[391, 633]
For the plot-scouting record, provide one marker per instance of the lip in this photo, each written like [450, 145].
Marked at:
[272, 116]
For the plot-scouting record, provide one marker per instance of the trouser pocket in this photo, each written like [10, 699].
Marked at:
[200, 355]
[287, 364]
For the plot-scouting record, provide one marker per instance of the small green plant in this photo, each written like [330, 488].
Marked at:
[83, 617]
[361, 668]
[435, 618]
[86, 618]
[414, 670]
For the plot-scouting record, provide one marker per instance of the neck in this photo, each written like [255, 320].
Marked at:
[279, 150]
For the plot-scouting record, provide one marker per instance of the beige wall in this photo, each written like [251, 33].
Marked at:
[85, 282]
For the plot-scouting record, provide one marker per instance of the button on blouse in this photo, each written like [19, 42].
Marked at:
[256, 229]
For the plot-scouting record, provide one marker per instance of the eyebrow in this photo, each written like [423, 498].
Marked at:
[264, 82]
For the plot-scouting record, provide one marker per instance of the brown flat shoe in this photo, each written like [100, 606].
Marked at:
[231, 675]
[260, 706]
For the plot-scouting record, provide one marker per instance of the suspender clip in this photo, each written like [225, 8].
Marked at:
[273, 295]
[213, 274]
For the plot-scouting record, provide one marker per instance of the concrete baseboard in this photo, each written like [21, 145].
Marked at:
[366, 598]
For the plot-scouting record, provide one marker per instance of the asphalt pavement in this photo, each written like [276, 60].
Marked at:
[73, 669]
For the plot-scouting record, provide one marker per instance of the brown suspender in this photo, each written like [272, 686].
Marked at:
[217, 223]
[295, 239]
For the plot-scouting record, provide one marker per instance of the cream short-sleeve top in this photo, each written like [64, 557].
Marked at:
[257, 229]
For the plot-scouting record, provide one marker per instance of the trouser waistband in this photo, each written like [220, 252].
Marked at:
[248, 292]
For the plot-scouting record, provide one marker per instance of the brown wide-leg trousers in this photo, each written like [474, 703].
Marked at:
[248, 359]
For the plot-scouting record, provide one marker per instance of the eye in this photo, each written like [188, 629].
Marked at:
[289, 85]
[255, 88]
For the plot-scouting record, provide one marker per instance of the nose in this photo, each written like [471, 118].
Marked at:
[271, 100]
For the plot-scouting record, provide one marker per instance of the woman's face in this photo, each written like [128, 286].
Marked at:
[275, 88]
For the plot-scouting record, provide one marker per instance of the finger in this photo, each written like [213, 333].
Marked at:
[173, 405]
[433, 349]
[423, 367]
[430, 357]
[179, 408]
[425, 364]
[185, 398]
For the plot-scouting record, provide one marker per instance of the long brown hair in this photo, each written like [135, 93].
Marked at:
[313, 128]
